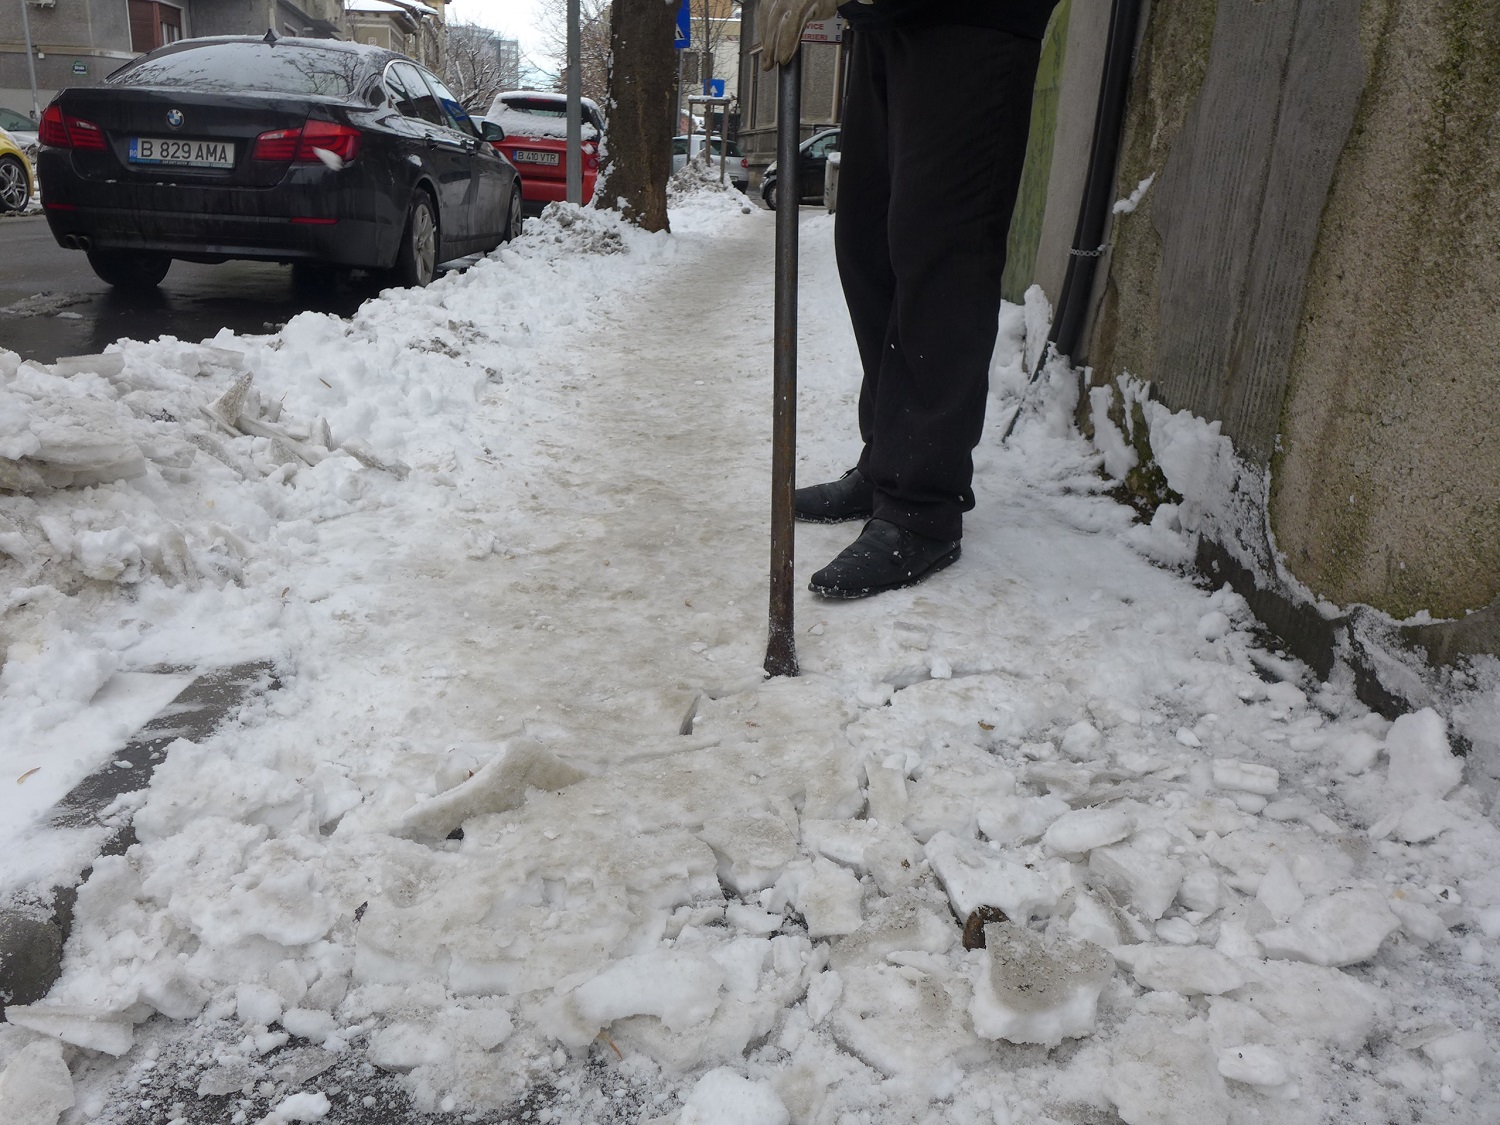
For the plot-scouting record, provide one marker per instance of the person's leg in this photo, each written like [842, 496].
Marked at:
[958, 110]
[860, 224]
[864, 265]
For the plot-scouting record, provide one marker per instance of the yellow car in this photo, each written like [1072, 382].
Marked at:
[17, 180]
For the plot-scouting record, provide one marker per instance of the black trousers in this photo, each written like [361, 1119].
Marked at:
[934, 137]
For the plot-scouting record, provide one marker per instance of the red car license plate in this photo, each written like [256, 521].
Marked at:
[532, 156]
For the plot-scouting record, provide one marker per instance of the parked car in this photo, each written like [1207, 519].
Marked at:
[17, 180]
[738, 170]
[535, 124]
[309, 151]
[22, 130]
[814, 152]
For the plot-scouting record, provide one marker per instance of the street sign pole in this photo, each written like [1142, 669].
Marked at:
[575, 104]
[781, 644]
[36, 107]
[683, 40]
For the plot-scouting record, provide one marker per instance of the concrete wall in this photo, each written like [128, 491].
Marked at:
[1388, 487]
[1317, 266]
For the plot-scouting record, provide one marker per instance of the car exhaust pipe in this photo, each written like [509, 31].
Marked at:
[82, 241]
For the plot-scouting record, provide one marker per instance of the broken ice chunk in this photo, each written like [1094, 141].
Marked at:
[1014, 820]
[1422, 764]
[1200, 891]
[679, 988]
[1148, 880]
[1253, 1065]
[947, 800]
[1159, 1077]
[1033, 988]
[894, 861]
[752, 920]
[1320, 1003]
[1245, 777]
[1190, 970]
[1279, 892]
[753, 848]
[1342, 929]
[828, 896]
[35, 1085]
[96, 1029]
[1092, 921]
[975, 877]
[898, 924]
[1355, 752]
[843, 841]
[1075, 833]
[1081, 740]
[500, 784]
[723, 1097]
[886, 791]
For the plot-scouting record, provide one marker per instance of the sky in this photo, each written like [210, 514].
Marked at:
[514, 18]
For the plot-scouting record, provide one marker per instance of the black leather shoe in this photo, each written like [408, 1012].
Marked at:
[884, 557]
[851, 497]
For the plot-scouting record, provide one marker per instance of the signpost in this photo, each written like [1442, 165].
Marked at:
[824, 31]
[575, 104]
[683, 41]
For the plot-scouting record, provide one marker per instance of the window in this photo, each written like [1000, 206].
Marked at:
[285, 68]
[413, 98]
[153, 25]
[453, 110]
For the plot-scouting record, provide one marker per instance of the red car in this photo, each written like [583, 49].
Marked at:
[536, 142]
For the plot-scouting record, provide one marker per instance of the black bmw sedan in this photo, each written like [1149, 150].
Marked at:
[309, 151]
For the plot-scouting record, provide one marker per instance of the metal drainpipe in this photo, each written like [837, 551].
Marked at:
[1093, 213]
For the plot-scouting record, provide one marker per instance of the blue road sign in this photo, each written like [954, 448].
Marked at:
[716, 87]
[684, 26]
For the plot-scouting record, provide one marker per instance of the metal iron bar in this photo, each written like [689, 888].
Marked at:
[781, 643]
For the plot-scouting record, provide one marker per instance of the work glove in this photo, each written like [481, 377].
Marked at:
[781, 24]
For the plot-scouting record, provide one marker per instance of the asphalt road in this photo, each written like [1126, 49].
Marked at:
[52, 305]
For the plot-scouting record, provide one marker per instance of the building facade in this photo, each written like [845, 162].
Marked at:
[823, 68]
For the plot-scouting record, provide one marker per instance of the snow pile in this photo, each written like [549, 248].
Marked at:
[526, 831]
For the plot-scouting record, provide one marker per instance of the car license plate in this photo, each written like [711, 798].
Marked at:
[531, 156]
[181, 153]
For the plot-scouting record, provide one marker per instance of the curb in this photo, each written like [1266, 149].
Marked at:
[32, 937]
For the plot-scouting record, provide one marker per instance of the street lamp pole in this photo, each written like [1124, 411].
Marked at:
[36, 107]
[575, 103]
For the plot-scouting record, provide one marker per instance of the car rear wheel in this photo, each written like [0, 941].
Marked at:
[513, 219]
[15, 184]
[128, 269]
[416, 259]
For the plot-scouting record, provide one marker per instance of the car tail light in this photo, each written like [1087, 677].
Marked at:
[60, 130]
[279, 145]
[341, 140]
[283, 145]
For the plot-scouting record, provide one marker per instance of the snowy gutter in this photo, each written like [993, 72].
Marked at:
[32, 940]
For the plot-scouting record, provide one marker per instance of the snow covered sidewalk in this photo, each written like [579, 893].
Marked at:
[526, 835]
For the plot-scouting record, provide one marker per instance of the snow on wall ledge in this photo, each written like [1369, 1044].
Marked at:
[1227, 896]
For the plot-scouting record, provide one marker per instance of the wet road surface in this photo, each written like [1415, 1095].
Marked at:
[52, 305]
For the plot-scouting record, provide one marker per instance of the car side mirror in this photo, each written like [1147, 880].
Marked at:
[491, 132]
